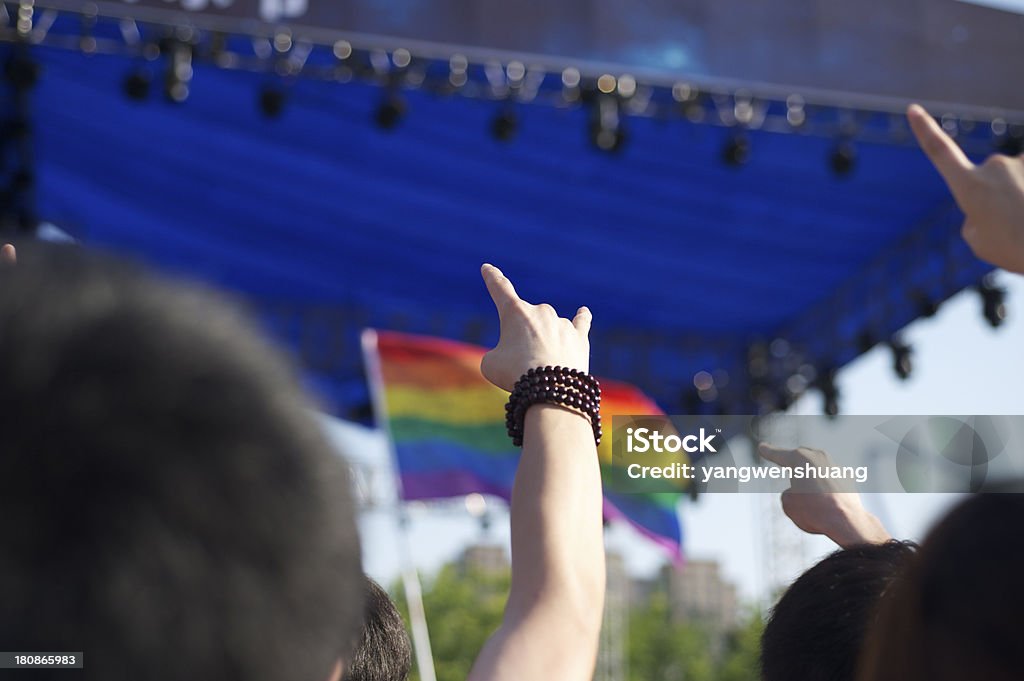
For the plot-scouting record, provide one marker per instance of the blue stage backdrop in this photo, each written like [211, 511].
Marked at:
[326, 224]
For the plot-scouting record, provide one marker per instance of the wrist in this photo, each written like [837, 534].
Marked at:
[570, 389]
[860, 528]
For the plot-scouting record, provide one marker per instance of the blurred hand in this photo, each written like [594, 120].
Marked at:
[817, 506]
[991, 195]
[531, 335]
[8, 256]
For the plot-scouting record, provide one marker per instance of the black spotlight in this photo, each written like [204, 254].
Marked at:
[606, 131]
[136, 85]
[28, 223]
[22, 180]
[389, 114]
[865, 341]
[901, 358]
[830, 393]
[504, 126]
[271, 101]
[843, 158]
[17, 129]
[1012, 143]
[607, 139]
[736, 151]
[926, 307]
[692, 402]
[993, 301]
[21, 72]
[178, 73]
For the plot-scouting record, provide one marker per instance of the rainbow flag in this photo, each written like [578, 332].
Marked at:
[447, 424]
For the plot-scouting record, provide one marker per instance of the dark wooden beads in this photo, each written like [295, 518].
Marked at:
[563, 386]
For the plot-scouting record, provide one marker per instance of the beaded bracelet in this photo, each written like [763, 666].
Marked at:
[565, 387]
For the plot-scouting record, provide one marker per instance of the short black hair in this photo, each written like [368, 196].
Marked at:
[383, 652]
[168, 503]
[817, 629]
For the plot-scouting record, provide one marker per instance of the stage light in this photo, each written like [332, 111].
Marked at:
[21, 71]
[736, 151]
[1011, 144]
[826, 383]
[692, 403]
[865, 341]
[389, 113]
[606, 131]
[993, 301]
[784, 399]
[28, 223]
[22, 180]
[136, 85]
[179, 71]
[17, 129]
[901, 357]
[504, 126]
[926, 307]
[843, 158]
[271, 101]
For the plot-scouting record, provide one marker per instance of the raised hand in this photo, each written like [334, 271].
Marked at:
[818, 506]
[552, 621]
[991, 195]
[8, 256]
[531, 335]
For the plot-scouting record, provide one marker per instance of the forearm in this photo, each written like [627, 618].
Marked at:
[557, 531]
[553, 617]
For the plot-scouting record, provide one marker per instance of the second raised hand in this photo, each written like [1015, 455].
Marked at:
[991, 195]
[819, 506]
[531, 335]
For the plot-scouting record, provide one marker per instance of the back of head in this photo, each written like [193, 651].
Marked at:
[383, 652]
[954, 614]
[168, 504]
[817, 628]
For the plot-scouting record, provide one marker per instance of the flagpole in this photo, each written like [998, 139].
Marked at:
[410, 576]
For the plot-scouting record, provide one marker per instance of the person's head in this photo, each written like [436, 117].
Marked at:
[383, 652]
[955, 614]
[168, 504]
[817, 628]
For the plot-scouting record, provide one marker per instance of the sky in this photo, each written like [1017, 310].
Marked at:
[962, 366]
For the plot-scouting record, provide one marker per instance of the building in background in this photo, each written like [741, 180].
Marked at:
[698, 593]
[487, 558]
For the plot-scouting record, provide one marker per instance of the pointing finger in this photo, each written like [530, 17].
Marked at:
[948, 158]
[8, 255]
[787, 458]
[498, 285]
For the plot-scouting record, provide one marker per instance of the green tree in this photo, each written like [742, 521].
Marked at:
[463, 609]
[662, 650]
[742, 658]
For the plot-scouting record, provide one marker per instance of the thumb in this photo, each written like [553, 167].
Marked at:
[8, 255]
